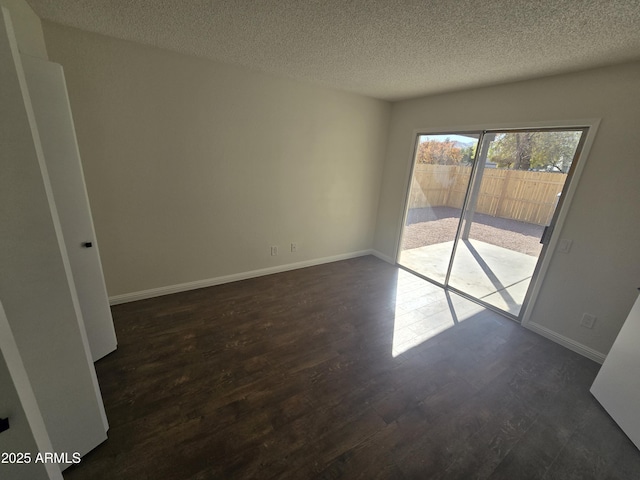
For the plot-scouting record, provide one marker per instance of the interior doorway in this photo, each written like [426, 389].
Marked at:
[481, 208]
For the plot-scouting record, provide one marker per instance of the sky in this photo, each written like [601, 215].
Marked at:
[467, 140]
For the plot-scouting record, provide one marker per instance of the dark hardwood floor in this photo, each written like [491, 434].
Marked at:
[292, 376]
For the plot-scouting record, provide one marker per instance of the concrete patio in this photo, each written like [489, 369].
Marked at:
[493, 274]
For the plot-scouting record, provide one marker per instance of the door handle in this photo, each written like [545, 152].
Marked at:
[546, 235]
[87, 244]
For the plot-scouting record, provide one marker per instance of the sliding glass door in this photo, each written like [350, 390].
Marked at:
[478, 207]
[441, 174]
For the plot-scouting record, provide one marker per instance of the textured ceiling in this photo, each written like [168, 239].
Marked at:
[389, 49]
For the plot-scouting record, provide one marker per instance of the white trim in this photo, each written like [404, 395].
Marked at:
[28, 403]
[408, 177]
[210, 282]
[566, 342]
[31, 118]
[383, 257]
[536, 286]
[591, 123]
[507, 125]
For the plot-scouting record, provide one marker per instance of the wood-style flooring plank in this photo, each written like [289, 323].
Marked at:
[354, 370]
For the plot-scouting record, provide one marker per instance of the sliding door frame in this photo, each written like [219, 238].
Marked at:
[405, 213]
[590, 127]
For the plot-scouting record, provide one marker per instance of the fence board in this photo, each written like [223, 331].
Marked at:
[516, 194]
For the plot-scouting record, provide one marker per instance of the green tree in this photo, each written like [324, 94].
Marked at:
[468, 155]
[534, 150]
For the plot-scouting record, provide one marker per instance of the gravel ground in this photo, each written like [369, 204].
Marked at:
[428, 226]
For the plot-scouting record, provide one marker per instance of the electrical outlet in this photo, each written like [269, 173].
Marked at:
[588, 320]
[274, 250]
[294, 247]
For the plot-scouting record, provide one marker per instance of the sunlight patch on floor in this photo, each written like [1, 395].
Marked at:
[424, 310]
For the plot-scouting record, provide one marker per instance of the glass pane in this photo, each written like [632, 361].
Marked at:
[439, 184]
[514, 197]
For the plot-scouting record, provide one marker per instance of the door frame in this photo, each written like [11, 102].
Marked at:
[591, 124]
[34, 425]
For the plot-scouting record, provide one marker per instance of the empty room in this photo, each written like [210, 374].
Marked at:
[318, 240]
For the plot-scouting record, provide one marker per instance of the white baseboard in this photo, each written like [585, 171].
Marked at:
[566, 342]
[210, 282]
[383, 257]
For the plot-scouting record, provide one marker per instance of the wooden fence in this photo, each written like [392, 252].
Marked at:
[516, 194]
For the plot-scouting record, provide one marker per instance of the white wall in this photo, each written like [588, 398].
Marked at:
[194, 168]
[27, 27]
[603, 268]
